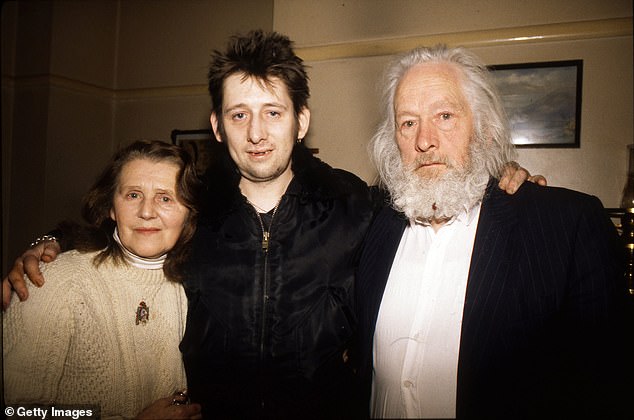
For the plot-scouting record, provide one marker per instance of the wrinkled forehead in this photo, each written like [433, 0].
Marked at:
[430, 81]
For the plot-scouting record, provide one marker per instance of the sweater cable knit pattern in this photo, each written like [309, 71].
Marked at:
[74, 341]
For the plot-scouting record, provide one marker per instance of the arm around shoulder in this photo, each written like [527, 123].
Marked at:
[44, 249]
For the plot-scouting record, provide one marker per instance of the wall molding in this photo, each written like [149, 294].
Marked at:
[84, 88]
[569, 31]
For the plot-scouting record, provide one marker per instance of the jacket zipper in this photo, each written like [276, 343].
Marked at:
[266, 236]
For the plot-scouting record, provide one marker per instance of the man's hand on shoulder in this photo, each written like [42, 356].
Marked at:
[514, 176]
[29, 264]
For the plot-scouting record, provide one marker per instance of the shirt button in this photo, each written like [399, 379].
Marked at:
[408, 384]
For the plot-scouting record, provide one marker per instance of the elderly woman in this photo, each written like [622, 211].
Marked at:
[105, 330]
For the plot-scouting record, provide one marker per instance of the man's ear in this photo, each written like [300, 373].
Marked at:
[112, 215]
[214, 126]
[303, 121]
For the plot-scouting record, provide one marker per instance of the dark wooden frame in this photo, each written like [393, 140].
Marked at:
[201, 145]
[542, 101]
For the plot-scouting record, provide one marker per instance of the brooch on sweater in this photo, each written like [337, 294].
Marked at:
[142, 313]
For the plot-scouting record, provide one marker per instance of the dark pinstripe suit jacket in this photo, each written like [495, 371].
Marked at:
[540, 334]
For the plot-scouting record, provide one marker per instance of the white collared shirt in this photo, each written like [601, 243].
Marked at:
[417, 334]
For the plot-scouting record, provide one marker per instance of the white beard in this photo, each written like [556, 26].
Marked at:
[437, 198]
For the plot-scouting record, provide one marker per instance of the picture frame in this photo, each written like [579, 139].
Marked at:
[201, 145]
[542, 101]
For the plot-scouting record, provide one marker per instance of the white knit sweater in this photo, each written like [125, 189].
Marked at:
[75, 340]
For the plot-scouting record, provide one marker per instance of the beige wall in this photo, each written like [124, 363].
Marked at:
[80, 79]
[350, 42]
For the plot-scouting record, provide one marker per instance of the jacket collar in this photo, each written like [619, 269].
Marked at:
[497, 205]
[313, 181]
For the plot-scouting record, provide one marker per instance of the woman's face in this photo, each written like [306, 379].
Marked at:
[146, 209]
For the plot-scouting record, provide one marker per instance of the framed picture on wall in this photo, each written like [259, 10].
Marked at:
[542, 101]
[201, 145]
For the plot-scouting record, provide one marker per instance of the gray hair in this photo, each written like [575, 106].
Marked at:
[490, 121]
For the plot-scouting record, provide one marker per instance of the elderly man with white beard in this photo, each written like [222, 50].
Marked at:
[473, 303]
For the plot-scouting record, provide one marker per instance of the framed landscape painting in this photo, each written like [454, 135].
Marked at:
[542, 101]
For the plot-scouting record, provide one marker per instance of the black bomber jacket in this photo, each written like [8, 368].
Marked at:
[269, 322]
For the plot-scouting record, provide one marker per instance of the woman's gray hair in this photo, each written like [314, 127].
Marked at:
[489, 118]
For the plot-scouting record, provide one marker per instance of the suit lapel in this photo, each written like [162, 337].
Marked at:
[378, 256]
[376, 261]
[496, 222]
[486, 284]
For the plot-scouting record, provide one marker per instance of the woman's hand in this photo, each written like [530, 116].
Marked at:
[170, 408]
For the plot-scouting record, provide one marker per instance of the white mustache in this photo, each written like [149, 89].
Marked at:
[431, 159]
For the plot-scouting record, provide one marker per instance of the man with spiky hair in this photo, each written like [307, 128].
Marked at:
[272, 264]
